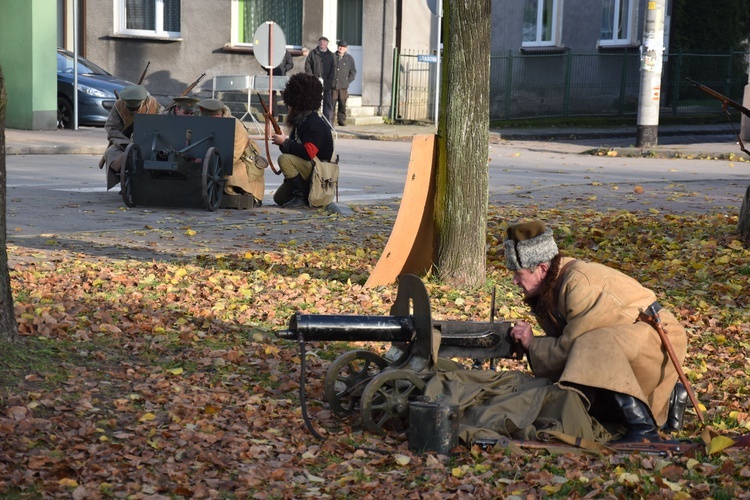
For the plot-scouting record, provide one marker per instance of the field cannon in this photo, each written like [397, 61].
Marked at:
[381, 387]
[177, 161]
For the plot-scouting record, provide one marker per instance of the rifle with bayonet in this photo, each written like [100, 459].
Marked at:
[725, 101]
[143, 75]
[187, 90]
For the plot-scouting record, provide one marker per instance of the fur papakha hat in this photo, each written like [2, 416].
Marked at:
[528, 245]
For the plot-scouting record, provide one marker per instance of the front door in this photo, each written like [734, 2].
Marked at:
[349, 20]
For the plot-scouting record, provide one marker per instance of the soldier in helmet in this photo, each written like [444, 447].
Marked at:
[133, 99]
[183, 106]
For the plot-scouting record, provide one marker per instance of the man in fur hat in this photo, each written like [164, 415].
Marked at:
[310, 138]
[595, 343]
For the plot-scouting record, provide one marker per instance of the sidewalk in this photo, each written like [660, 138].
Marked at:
[683, 140]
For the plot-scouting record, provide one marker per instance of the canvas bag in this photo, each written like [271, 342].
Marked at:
[324, 179]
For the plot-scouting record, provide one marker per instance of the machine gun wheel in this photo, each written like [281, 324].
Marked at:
[347, 376]
[212, 180]
[385, 401]
[128, 168]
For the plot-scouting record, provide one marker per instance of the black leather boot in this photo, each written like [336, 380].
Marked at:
[637, 419]
[299, 192]
[677, 403]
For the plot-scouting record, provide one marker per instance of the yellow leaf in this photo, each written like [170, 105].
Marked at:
[190, 232]
[402, 459]
[719, 443]
[628, 478]
[66, 482]
[672, 486]
[175, 371]
[147, 417]
[458, 472]
[552, 489]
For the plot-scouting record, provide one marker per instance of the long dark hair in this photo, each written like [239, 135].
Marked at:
[546, 301]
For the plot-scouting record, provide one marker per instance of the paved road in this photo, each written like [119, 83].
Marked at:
[60, 199]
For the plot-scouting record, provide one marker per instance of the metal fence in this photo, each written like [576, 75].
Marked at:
[568, 84]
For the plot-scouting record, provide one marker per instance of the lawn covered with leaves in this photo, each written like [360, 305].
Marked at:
[165, 379]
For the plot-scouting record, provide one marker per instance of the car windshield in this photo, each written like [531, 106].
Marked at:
[65, 65]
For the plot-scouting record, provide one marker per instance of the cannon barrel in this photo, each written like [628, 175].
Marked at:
[336, 327]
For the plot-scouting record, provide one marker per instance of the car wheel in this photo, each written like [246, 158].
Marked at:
[64, 113]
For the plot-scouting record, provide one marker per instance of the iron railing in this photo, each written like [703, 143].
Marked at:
[569, 84]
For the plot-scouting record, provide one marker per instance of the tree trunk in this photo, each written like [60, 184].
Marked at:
[463, 145]
[743, 222]
[8, 326]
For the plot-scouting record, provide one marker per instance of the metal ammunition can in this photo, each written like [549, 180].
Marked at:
[432, 427]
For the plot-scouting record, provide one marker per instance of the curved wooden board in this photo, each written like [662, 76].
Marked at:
[409, 247]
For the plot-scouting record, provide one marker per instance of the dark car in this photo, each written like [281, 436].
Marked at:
[96, 91]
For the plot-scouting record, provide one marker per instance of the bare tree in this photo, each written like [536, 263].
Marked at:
[8, 326]
[463, 144]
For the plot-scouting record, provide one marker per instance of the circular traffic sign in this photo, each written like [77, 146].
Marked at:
[269, 44]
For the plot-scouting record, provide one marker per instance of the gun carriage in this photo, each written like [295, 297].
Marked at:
[381, 387]
[177, 161]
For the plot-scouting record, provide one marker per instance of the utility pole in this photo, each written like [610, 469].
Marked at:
[652, 50]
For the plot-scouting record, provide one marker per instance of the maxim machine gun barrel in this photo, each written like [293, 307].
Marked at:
[362, 378]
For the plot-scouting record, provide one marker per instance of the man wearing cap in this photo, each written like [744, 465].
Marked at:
[309, 139]
[182, 106]
[320, 62]
[134, 99]
[594, 341]
[248, 167]
[345, 74]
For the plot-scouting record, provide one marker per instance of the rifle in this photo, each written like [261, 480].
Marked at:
[267, 114]
[187, 90]
[143, 75]
[725, 101]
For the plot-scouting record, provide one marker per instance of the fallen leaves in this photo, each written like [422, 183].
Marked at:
[164, 378]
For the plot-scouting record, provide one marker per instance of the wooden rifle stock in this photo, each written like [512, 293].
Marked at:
[268, 115]
[143, 75]
[724, 99]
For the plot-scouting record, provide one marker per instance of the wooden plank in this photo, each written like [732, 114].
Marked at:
[410, 246]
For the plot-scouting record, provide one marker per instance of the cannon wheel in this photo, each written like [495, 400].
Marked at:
[385, 400]
[347, 376]
[128, 168]
[212, 181]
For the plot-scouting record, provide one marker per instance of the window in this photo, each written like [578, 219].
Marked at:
[252, 13]
[156, 18]
[617, 22]
[540, 19]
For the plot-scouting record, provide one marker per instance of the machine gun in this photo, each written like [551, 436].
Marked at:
[381, 387]
[725, 101]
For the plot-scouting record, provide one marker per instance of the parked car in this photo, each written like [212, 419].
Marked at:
[96, 91]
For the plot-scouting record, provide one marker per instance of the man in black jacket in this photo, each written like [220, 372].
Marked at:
[310, 139]
[346, 71]
[321, 63]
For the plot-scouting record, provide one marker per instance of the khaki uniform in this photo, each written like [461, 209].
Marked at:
[119, 127]
[595, 339]
[246, 175]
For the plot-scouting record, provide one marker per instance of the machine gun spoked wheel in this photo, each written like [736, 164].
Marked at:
[385, 400]
[212, 180]
[347, 377]
[132, 157]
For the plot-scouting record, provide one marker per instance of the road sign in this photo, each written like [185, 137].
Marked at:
[269, 44]
[426, 58]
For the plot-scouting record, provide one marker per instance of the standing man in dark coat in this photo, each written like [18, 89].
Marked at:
[346, 72]
[321, 63]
